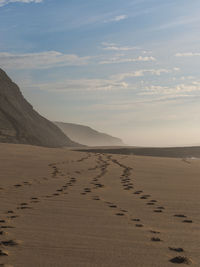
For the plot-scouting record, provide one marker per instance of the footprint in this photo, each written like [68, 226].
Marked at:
[143, 197]
[99, 185]
[24, 208]
[187, 221]
[129, 187]
[6, 227]
[158, 211]
[119, 214]
[113, 206]
[10, 211]
[156, 239]
[124, 210]
[139, 225]
[13, 216]
[96, 198]
[180, 259]
[2, 221]
[137, 192]
[176, 249]
[3, 253]
[180, 216]
[88, 190]
[17, 185]
[10, 243]
[135, 220]
[154, 232]
[150, 203]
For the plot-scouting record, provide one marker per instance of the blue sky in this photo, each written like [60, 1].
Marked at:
[129, 68]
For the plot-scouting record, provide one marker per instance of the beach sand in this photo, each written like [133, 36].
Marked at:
[66, 208]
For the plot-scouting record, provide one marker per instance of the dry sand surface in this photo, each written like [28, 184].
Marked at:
[64, 208]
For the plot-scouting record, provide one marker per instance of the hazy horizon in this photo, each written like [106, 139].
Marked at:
[125, 68]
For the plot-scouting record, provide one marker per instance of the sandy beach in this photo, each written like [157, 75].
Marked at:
[67, 208]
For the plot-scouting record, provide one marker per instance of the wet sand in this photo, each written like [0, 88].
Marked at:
[67, 208]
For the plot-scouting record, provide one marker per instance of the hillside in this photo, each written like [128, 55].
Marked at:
[20, 123]
[88, 136]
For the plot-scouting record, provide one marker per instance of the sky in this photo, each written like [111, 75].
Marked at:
[128, 68]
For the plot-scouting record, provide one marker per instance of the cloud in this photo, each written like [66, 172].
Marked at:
[179, 89]
[141, 73]
[5, 2]
[114, 82]
[115, 60]
[42, 60]
[115, 47]
[116, 18]
[189, 54]
[80, 85]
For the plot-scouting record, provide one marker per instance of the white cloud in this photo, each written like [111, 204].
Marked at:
[141, 73]
[115, 60]
[116, 18]
[80, 85]
[5, 2]
[176, 69]
[42, 60]
[114, 82]
[189, 54]
[115, 47]
[177, 90]
[183, 78]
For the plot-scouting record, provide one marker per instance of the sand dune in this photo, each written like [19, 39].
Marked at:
[69, 208]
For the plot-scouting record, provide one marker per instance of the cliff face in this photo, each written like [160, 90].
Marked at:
[20, 123]
[88, 136]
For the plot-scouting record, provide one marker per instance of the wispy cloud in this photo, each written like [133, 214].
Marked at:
[80, 85]
[143, 72]
[116, 60]
[178, 89]
[42, 60]
[5, 2]
[188, 54]
[116, 18]
[115, 47]
[114, 82]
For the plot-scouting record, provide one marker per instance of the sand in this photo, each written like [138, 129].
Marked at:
[66, 208]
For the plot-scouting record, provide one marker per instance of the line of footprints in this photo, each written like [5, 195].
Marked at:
[127, 185]
[11, 214]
